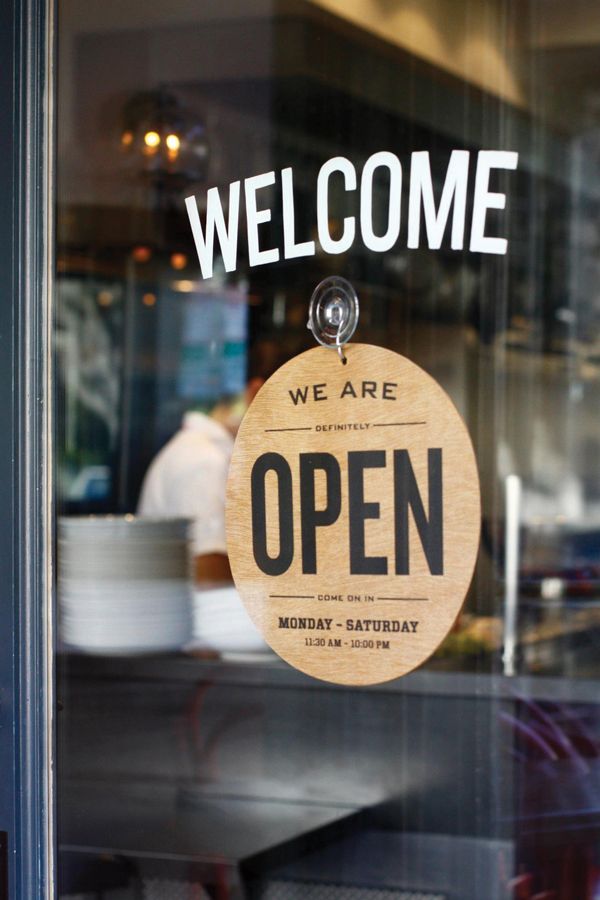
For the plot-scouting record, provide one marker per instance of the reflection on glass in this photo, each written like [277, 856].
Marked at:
[218, 751]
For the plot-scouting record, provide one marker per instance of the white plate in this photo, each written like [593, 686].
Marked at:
[116, 599]
[125, 570]
[122, 618]
[257, 656]
[141, 587]
[75, 552]
[125, 527]
[130, 638]
[108, 649]
[127, 623]
[122, 651]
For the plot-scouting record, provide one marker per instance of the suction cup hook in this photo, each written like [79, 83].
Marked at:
[333, 313]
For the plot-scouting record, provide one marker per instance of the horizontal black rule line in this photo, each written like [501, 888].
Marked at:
[394, 424]
[407, 599]
[306, 428]
[292, 596]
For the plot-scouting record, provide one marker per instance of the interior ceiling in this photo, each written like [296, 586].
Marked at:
[533, 23]
[510, 49]
[564, 23]
[463, 37]
[113, 15]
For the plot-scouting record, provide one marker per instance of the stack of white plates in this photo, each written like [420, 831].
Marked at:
[124, 584]
[221, 623]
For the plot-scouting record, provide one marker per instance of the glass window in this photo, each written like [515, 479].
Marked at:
[193, 761]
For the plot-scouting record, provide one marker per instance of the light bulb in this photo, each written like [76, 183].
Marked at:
[152, 139]
[141, 253]
[179, 260]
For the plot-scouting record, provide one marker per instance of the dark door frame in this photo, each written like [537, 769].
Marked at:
[26, 607]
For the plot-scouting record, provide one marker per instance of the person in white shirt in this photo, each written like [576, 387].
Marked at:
[188, 477]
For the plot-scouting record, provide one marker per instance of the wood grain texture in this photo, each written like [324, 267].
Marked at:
[412, 413]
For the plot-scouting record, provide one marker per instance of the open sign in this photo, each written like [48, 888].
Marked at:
[353, 514]
[407, 499]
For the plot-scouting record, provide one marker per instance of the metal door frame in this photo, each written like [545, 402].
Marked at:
[26, 604]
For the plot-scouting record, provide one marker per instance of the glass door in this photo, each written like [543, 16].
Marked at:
[217, 161]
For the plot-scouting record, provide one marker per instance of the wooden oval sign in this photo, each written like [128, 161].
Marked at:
[353, 514]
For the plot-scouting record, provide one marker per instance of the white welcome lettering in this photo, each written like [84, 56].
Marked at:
[421, 188]
[228, 235]
[385, 241]
[485, 199]
[291, 250]
[421, 199]
[328, 244]
[256, 217]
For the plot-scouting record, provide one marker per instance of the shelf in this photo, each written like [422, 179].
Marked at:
[274, 673]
